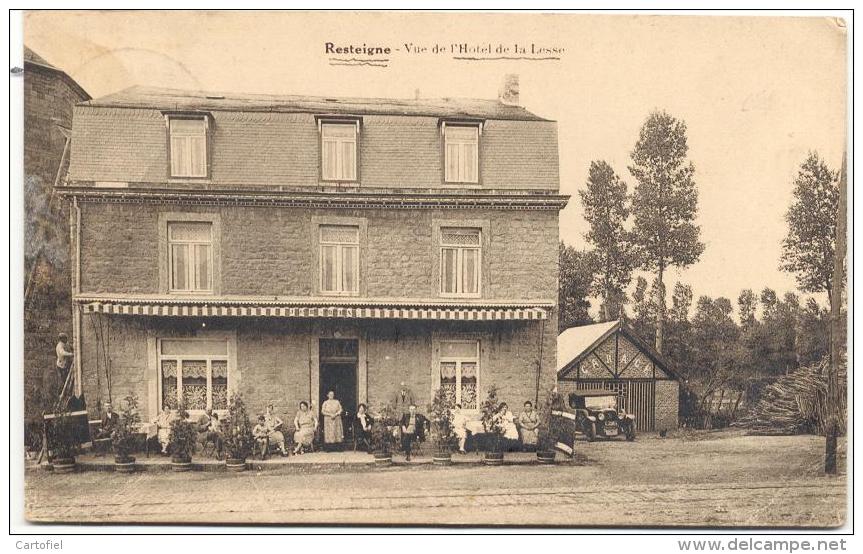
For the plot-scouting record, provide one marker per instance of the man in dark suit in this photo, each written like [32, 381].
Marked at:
[110, 420]
[412, 427]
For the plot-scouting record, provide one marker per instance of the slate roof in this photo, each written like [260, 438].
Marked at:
[174, 99]
[31, 58]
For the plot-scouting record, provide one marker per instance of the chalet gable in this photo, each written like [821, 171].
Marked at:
[609, 350]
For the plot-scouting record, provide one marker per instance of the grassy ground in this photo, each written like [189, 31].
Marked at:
[695, 479]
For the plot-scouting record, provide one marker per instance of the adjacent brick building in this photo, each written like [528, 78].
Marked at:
[284, 246]
[49, 97]
[611, 356]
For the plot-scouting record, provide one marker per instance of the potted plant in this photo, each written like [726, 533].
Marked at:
[124, 435]
[441, 419]
[382, 435]
[182, 440]
[491, 420]
[237, 431]
[63, 443]
[548, 428]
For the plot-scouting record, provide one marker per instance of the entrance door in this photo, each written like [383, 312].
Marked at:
[338, 371]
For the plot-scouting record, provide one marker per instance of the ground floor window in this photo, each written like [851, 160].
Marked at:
[459, 372]
[194, 371]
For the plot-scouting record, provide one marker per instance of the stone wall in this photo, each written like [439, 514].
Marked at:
[48, 101]
[667, 404]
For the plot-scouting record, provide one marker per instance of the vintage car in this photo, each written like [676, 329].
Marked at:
[597, 415]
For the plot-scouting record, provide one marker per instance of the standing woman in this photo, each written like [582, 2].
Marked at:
[331, 409]
[305, 424]
[528, 422]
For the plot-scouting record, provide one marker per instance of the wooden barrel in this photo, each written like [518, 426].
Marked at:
[235, 464]
[383, 459]
[181, 463]
[124, 464]
[545, 457]
[63, 465]
[493, 458]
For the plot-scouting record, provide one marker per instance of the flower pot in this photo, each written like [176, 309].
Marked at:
[181, 463]
[235, 464]
[63, 465]
[442, 458]
[493, 458]
[383, 458]
[124, 464]
[545, 456]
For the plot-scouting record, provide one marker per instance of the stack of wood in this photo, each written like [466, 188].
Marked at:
[796, 403]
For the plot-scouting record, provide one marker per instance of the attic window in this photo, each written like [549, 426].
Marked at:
[188, 146]
[339, 149]
[461, 152]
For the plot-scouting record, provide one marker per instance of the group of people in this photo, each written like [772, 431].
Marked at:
[269, 432]
[518, 432]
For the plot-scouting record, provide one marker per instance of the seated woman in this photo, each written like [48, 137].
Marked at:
[528, 422]
[459, 427]
[510, 431]
[363, 428]
[163, 427]
[261, 435]
[305, 424]
[274, 430]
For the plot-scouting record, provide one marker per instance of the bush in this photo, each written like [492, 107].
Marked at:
[382, 437]
[183, 436]
[123, 437]
[237, 430]
[440, 418]
[549, 426]
[491, 420]
[62, 437]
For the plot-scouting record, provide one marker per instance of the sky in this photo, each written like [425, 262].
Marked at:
[756, 93]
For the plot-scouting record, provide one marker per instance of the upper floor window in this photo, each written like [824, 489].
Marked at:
[339, 151]
[461, 153]
[340, 259]
[188, 146]
[190, 254]
[460, 261]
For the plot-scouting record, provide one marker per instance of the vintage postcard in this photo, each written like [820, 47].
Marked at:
[435, 269]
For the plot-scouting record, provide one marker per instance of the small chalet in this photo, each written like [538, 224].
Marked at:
[611, 356]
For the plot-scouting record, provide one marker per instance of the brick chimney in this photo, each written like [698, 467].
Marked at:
[508, 93]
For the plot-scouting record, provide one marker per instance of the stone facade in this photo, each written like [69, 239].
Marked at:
[267, 250]
[278, 363]
[49, 97]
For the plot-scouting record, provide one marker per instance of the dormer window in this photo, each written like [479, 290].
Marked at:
[339, 150]
[188, 144]
[461, 152]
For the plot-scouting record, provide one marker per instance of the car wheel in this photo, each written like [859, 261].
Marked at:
[630, 432]
[590, 431]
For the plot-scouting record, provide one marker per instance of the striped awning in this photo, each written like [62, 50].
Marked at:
[331, 312]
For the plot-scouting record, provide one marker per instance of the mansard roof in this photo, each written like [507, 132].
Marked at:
[184, 100]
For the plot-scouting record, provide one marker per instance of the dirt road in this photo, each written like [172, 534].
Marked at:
[721, 479]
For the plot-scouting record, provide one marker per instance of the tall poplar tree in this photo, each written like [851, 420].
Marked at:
[664, 203]
[605, 209]
[807, 250]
